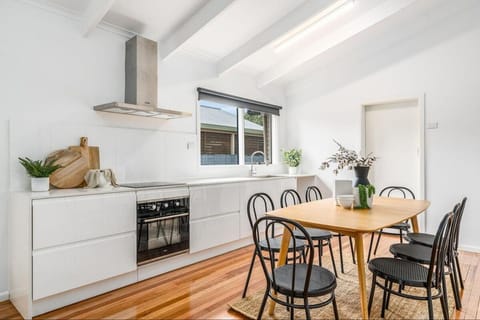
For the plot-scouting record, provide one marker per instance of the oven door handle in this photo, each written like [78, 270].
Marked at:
[166, 218]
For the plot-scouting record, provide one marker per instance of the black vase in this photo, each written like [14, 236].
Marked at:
[361, 176]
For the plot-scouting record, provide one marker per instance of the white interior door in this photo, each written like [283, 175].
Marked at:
[393, 134]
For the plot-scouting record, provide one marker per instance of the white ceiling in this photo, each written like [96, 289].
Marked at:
[243, 33]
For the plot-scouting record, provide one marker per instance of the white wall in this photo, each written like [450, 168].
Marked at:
[51, 77]
[441, 62]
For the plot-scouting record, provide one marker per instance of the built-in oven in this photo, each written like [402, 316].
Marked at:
[162, 223]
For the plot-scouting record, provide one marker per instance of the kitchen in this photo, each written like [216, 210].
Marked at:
[57, 64]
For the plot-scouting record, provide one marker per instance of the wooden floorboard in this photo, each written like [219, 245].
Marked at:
[203, 290]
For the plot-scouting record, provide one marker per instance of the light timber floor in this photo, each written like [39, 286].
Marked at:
[203, 290]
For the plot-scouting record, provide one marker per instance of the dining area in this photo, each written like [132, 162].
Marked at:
[297, 281]
[418, 274]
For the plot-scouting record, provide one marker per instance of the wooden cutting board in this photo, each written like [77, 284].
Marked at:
[91, 153]
[75, 162]
[73, 170]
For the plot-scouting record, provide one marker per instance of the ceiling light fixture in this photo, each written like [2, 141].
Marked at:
[326, 16]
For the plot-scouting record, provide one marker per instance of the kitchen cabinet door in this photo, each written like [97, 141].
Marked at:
[61, 221]
[213, 200]
[211, 232]
[273, 188]
[60, 269]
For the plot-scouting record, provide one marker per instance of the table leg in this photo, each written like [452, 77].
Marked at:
[415, 227]
[361, 275]
[282, 258]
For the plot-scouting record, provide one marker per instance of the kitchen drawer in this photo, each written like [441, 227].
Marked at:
[66, 220]
[215, 231]
[68, 267]
[207, 201]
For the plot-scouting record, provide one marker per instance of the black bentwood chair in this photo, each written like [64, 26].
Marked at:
[426, 239]
[313, 194]
[421, 253]
[402, 227]
[295, 280]
[408, 273]
[322, 237]
[259, 203]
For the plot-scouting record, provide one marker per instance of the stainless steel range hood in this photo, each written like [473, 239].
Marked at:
[141, 83]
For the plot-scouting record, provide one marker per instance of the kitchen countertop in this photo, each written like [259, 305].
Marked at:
[59, 193]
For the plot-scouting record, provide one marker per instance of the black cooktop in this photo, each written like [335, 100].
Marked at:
[152, 184]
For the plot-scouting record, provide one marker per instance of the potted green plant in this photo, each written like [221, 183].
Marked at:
[292, 158]
[40, 172]
[344, 158]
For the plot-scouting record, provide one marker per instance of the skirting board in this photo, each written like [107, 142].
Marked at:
[4, 296]
[470, 248]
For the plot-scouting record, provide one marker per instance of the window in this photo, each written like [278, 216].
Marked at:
[234, 130]
[218, 134]
[258, 136]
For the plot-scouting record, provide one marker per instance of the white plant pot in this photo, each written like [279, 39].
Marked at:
[292, 170]
[40, 184]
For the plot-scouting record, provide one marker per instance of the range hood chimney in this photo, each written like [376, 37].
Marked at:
[141, 83]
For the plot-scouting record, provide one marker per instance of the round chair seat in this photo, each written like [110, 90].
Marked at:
[401, 225]
[315, 234]
[425, 239]
[322, 281]
[396, 270]
[276, 243]
[413, 252]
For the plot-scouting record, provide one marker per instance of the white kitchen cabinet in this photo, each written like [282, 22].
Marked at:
[63, 249]
[214, 215]
[272, 187]
[210, 232]
[61, 221]
[211, 200]
[68, 267]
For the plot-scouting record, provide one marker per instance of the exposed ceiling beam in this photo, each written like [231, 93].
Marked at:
[95, 12]
[192, 25]
[300, 57]
[292, 20]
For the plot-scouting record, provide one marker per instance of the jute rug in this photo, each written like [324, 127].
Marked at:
[348, 302]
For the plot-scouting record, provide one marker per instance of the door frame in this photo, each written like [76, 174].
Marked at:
[420, 102]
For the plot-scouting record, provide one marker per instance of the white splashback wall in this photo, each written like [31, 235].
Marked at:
[442, 63]
[51, 77]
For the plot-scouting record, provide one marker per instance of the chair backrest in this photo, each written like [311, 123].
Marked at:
[257, 205]
[313, 193]
[289, 197]
[267, 255]
[392, 190]
[440, 251]
[456, 223]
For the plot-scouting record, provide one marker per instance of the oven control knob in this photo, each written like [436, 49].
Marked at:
[165, 205]
[177, 203]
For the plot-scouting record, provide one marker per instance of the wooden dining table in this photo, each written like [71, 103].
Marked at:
[325, 214]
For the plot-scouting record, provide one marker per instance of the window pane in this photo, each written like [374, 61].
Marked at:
[219, 134]
[258, 136]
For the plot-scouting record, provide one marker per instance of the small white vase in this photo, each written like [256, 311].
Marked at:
[40, 184]
[292, 170]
